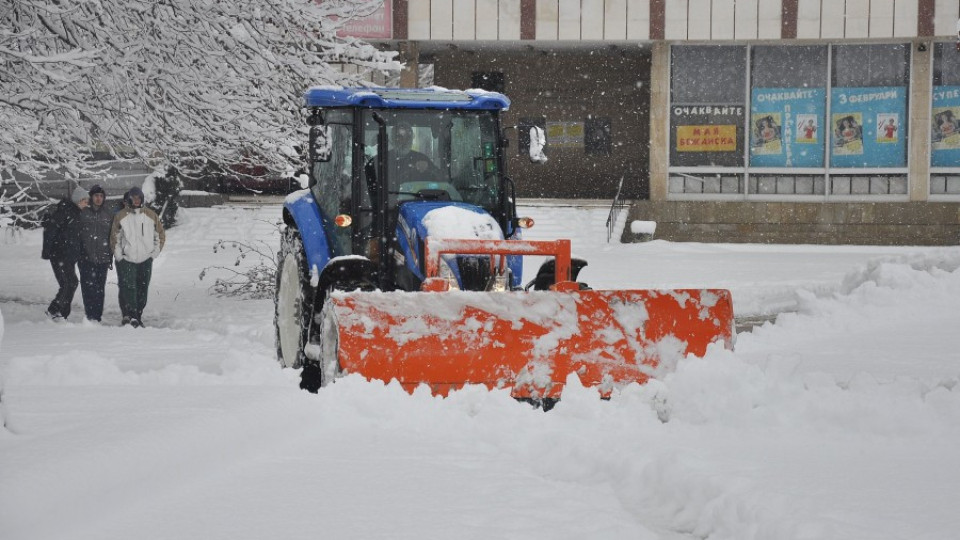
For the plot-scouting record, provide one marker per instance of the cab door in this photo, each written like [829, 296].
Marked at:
[333, 189]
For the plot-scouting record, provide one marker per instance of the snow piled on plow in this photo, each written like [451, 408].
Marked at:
[839, 420]
[550, 310]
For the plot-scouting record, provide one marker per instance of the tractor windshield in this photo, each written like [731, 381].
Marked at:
[436, 155]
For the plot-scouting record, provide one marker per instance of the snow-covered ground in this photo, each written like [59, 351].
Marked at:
[840, 420]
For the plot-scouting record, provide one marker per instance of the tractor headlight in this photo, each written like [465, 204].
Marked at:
[499, 282]
[446, 273]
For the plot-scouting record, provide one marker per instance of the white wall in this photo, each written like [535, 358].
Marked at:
[769, 20]
[745, 19]
[700, 20]
[945, 23]
[722, 20]
[638, 19]
[676, 19]
[615, 19]
[905, 18]
[548, 17]
[568, 23]
[881, 18]
[509, 27]
[698, 23]
[857, 19]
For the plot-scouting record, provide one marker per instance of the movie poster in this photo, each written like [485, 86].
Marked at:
[785, 127]
[867, 127]
[807, 129]
[945, 135]
[888, 124]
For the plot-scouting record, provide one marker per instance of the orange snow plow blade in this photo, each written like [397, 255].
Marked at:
[525, 341]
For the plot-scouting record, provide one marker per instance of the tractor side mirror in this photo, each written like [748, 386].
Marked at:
[538, 141]
[320, 144]
[504, 141]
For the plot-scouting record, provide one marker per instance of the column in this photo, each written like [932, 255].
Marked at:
[919, 136]
[659, 118]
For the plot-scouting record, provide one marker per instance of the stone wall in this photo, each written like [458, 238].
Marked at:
[858, 223]
[574, 85]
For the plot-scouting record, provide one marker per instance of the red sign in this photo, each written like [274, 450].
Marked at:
[378, 24]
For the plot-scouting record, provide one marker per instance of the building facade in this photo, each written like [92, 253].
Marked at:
[816, 121]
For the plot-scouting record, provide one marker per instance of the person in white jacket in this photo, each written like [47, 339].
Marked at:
[136, 238]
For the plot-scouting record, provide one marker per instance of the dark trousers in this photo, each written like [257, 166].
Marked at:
[93, 283]
[134, 281]
[66, 274]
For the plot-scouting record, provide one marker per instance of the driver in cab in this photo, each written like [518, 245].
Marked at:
[410, 165]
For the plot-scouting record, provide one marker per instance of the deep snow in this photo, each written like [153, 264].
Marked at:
[840, 420]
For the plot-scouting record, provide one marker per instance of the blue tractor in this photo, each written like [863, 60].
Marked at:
[402, 260]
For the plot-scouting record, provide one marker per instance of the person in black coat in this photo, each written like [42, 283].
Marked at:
[63, 247]
[95, 222]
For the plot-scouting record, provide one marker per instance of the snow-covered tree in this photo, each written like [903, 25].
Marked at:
[178, 83]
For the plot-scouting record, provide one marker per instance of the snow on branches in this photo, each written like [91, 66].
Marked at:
[180, 82]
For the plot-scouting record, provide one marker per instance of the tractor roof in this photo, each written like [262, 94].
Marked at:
[405, 98]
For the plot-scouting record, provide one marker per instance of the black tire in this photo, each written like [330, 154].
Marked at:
[294, 302]
[319, 373]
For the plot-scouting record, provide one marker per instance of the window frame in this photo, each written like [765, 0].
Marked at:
[948, 176]
[690, 174]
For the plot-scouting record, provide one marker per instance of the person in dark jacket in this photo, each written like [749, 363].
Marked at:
[97, 259]
[63, 248]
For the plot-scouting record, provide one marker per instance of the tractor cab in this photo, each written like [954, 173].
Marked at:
[375, 151]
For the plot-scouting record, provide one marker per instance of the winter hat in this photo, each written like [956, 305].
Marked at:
[97, 189]
[134, 192]
[78, 195]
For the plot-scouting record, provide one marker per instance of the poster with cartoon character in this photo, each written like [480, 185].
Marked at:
[766, 134]
[945, 127]
[779, 120]
[848, 134]
[866, 127]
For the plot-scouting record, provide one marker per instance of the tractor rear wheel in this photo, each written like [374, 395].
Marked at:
[294, 301]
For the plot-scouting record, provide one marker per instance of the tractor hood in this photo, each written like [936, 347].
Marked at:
[445, 219]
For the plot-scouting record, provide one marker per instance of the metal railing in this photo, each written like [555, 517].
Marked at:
[615, 208]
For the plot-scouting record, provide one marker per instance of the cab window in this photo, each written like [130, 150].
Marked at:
[333, 188]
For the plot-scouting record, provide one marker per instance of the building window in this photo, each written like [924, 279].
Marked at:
[818, 120]
[708, 74]
[787, 184]
[863, 184]
[868, 106]
[945, 120]
[597, 136]
[730, 184]
[708, 100]
[945, 184]
[788, 106]
[491, 81]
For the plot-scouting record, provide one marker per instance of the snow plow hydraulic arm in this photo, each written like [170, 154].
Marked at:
[435, 247]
